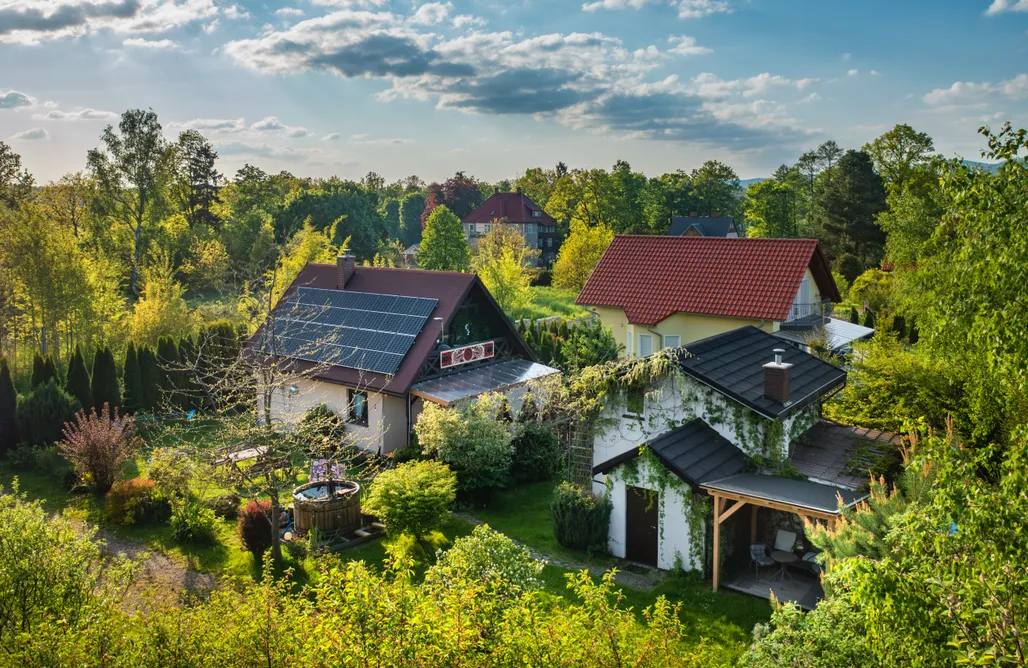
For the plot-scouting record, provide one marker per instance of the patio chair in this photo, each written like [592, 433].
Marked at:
[785, 541]
[810, 559]
[759, 557]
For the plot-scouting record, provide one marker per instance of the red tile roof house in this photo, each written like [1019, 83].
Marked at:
[662, 292]
[515, 208]
[374, 344]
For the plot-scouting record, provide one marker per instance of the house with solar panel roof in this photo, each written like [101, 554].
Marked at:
[377, 343]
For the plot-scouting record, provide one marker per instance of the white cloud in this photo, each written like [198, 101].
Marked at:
[235, 13]
[847, 56]
[1000, 6]
[351, 4]
[813, 97]
[211, 27]
[219, 125]
[332, 136]
[265, 150]
[35, 21]
[34, 133]
[368, 139]
[875, 73]
[684, 45]
[687, 9]
[968, 92]
[80, 115]
[12, 99]
[272, 124]
[852, 73]
[583, 80]
[153, 44]
[468, 21]
[432, 13]
[289, 11]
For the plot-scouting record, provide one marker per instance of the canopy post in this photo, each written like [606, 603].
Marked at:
[717, 540]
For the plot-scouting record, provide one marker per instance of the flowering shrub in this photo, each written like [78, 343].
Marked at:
[508, 569]
[469, 438]
[98, 445]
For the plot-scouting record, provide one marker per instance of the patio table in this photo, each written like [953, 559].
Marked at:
[784, 558]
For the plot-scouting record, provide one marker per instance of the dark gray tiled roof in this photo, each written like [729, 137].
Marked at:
[798, 493]
[832, 453]
[694, 452]
[709, 226]
[733, 364]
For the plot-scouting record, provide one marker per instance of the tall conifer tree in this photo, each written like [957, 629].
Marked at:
[150, 377]
[8, 405]
[77, 382]
[133, 381]
[105, 380]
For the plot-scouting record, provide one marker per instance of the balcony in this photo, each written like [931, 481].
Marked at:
[808, 316]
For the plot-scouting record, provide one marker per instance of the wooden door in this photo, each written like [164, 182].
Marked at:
[641, 526]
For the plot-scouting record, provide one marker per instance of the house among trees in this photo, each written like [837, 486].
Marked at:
[693, 225]
[517, 209]
[659, 292]
[373, 344]
[718, 418]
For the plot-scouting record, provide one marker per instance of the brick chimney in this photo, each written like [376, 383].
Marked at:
[345, 268]
[693, 214]
[776, 378]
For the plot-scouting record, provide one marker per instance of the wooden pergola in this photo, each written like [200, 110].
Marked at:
[807, 499]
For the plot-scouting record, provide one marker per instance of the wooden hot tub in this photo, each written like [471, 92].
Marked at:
[312, 507]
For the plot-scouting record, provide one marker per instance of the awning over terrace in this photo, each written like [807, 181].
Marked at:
[497, 377]
[840, 333]
[809, 500]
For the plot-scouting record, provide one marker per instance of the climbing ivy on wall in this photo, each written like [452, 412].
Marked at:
[648, 473]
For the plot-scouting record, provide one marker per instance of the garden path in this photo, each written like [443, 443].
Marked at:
[630, 574]
[171, 580]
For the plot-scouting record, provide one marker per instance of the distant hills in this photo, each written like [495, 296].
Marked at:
[987, 166]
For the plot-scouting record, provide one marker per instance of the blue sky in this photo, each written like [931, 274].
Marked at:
[322, 87]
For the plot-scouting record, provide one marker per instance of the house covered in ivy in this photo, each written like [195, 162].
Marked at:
[696, 433]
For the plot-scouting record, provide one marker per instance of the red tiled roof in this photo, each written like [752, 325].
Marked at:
[512, 207]
[653, 277]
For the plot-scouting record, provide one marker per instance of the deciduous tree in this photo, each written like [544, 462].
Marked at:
[443, 245]
[579, 254]
[133, 171]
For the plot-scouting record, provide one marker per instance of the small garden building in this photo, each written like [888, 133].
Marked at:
[706, 429]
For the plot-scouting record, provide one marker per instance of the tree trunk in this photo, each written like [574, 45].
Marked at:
[134, 283]
[276, 514]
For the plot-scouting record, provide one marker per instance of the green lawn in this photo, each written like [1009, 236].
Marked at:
[547, 301]
[521, 512]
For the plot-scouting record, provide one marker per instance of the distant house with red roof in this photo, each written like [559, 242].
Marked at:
[662, 291]
[517, 209]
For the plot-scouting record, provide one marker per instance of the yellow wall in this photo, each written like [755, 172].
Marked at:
[690, 326]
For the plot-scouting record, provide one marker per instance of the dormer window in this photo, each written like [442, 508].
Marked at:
[537, 214]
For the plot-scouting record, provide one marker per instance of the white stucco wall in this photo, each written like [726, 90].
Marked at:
[673, 538]
[387, 415]
[678, 400]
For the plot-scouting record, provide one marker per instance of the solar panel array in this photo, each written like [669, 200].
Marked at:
[358, 330]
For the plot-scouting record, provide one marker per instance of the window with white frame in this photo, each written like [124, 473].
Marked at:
[672, 341]
[645, 345]
[471, 228]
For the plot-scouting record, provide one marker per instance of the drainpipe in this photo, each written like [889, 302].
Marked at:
[659, 335]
